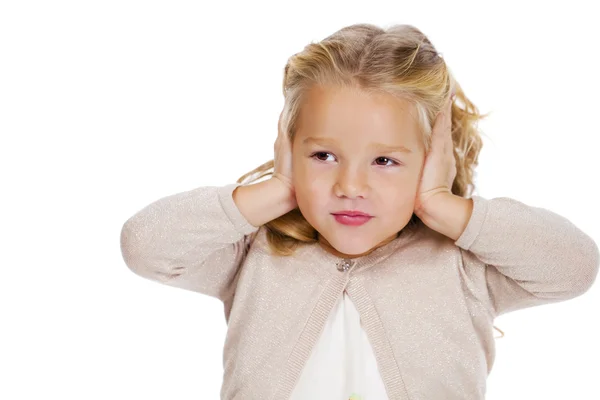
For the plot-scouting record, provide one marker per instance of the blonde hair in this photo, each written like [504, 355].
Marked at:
[399, 61]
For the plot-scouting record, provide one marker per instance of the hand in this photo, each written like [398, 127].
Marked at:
[282, 166]
[439, 169]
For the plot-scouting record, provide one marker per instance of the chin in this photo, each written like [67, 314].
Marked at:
[354, 246]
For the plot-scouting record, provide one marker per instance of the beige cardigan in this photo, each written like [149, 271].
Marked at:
[426, 302]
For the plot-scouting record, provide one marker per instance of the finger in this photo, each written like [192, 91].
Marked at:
[442, 125]
[448, 105]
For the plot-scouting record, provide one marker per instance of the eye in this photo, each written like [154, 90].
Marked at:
[322, 156]
[388, 159]
[320, 153]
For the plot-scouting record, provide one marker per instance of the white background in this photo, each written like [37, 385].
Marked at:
[108, 106]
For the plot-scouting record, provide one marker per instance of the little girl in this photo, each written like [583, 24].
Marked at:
[362, 268]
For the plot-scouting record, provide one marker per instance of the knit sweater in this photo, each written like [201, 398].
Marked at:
[427, 303]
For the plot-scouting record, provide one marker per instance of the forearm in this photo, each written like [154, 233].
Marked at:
[265, 201]
[447, 214]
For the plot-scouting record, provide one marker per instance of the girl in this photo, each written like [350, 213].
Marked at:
[362, 268]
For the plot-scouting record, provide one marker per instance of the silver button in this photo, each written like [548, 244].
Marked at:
[345, 264]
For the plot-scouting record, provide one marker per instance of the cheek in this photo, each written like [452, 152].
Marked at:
[400, 181]
[301, 167]
[398, 198]
[306, 177]
[401, 191]
[310, 193]
[313, 191]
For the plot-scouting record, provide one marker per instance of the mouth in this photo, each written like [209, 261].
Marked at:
[352, 213]
[354, 219]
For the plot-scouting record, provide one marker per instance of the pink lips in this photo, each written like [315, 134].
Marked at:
[352, 218]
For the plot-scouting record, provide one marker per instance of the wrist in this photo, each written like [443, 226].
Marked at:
[284, 179]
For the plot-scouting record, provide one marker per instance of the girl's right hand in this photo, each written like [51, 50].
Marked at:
[282, 165]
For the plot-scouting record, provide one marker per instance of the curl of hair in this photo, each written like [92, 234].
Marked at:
[399, 61]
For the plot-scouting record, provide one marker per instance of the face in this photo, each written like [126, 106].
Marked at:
[357, 152]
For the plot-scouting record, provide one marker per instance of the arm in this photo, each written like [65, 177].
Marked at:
[520, 255]
[198, 239]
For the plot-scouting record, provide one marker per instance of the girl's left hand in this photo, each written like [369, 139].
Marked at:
[439, 168]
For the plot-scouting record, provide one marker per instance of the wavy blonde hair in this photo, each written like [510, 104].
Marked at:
[399, 61]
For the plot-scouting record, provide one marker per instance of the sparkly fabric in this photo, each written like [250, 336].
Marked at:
[427, 303]
[342, 364]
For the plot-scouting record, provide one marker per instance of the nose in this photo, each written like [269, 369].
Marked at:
[351, 183]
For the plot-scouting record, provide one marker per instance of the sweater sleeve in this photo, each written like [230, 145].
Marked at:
[519, 256]
[194, 240]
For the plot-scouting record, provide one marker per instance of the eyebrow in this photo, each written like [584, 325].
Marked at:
[378, 146]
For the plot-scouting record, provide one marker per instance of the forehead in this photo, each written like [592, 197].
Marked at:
[342, 112]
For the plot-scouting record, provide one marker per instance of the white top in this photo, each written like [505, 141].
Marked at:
[342, 365]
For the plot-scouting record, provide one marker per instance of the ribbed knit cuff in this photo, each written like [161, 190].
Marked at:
[480, 209]
[238, 220]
